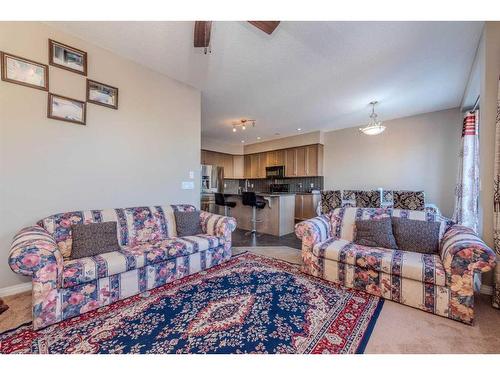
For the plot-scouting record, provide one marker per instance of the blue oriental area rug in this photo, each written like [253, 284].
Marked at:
[249, 304]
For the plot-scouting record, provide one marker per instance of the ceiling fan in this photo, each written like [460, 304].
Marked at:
[202, 31]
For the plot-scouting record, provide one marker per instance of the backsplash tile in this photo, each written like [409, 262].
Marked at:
[296, 184]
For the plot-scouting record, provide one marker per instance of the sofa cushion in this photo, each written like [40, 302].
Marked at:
[93, 239]
[188, 223]
[83, 270]
[416, 235]
[416, 266]
[375, 233]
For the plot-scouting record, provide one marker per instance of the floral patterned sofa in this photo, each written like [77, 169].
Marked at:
[438, 283]
[151, 255]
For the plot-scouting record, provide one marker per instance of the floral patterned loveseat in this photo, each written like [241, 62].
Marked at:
[437, 283]
[151, 255]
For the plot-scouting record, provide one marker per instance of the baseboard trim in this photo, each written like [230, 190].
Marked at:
[15, 289]
[486, 289]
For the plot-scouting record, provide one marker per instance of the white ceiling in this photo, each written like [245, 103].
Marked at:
[308, 75]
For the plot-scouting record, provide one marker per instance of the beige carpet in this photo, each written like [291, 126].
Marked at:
[399, 328]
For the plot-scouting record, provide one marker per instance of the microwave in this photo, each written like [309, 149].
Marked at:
[275, 172]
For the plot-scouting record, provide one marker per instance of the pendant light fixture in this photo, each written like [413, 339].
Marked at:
[374, 126]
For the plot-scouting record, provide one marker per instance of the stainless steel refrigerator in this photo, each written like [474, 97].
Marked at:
[212, 181]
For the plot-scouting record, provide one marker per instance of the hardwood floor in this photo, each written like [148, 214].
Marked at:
[239, 238]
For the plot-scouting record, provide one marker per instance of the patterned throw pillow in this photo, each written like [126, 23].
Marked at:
[409, 200]
[367, 199]
[330, 200]
[93, 239]
[416, 235]
[375, 233]
[188, 223]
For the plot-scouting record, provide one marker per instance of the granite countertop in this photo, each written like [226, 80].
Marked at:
[262, 194]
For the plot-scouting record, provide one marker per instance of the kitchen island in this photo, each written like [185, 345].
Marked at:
[276, 218]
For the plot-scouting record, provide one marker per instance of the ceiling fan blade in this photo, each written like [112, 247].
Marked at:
[267, 26]
[202, 33]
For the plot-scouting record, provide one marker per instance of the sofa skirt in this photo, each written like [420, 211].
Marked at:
[56, 305]
[431, 298]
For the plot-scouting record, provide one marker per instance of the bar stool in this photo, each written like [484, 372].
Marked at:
[221, 201]
[249, 198]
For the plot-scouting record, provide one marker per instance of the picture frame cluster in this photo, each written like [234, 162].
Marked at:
[32, 74]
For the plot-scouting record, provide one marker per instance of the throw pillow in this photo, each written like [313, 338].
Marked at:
[416, 235]
[187, 223]
[367, 199]
[330, 200]
[375, 233]
[93, 239]
[409, 200]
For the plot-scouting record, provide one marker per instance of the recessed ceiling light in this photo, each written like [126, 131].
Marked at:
[299, 129]
[242, 141]
[259, 138]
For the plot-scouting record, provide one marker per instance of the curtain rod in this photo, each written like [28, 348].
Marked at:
[476, 104]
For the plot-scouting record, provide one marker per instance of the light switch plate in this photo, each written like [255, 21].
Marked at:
[191, 174]
[187, 185]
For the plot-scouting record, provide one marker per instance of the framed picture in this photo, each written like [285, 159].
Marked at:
[24, 72]
[66, 109]
[66, 57]
[102, 94]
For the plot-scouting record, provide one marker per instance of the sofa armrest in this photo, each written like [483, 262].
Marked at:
[463, 253]
[314, 230]
[217, 225]
[34, 253]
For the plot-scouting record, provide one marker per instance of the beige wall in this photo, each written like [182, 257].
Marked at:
[414, 153]
[490, 72]
[293, 141]
[137, 155]
[216, 145]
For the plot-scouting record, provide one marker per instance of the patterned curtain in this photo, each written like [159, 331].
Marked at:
[467, 189]
[496, 208]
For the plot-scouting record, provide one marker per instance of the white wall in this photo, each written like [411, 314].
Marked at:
[414, 153]
[137, 155]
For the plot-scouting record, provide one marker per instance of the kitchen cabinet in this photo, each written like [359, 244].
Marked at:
[275, 158]
[262, 165]
[254, 165]
[305, 206]
[220, 159]
[304, 161]
[238, 166]
[301, 161]
[290, 162]
[247, 166]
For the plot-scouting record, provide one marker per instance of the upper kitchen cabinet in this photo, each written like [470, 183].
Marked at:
[291, 162]
[247, 166]
[221, 160]
[304, 161]
[314, 160]
[275, 158]
[238, 166]
[301, 161]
